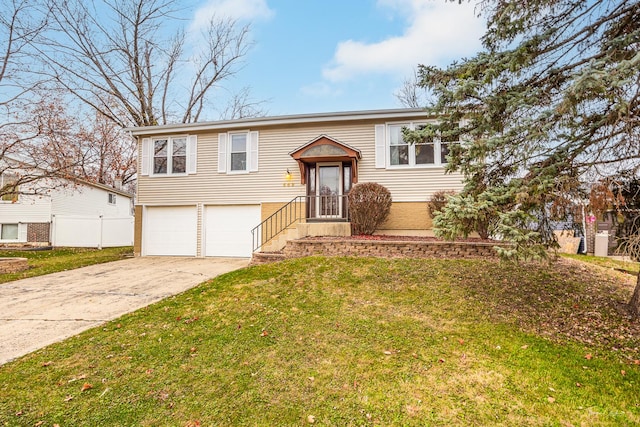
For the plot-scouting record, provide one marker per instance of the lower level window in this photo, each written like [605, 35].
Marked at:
[9, 232]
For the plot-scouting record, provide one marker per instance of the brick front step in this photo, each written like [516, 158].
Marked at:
[266, 257]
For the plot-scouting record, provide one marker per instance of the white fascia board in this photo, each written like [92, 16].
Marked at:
[395, 114]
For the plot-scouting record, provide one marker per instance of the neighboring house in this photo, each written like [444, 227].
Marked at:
[66, 213]
[203, 187]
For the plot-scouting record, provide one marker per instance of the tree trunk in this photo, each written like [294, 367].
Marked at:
[634, 303]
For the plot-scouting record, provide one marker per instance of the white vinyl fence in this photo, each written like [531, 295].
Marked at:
[91, 232]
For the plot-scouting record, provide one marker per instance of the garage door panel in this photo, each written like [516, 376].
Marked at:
[170, 230]
[228, 230]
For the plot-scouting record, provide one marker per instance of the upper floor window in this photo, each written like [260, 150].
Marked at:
[111, 198]
[238, 152]
[393, 151]
[8, 187]
[169, 155]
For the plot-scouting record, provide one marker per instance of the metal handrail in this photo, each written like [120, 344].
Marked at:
[328, 207]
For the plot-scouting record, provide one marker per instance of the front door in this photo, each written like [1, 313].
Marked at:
[328, 184]
[329, 191]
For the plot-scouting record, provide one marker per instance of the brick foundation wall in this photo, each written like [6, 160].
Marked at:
[13, 265]
[137, 231]
[389, 248]
[408, 216]
[38, 232]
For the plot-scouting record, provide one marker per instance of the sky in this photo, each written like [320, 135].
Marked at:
[313, 56]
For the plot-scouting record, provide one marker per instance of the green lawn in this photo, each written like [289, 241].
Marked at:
[351, 342]
[51, 261]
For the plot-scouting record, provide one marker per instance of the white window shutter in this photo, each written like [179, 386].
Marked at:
[192, 150]
[222, 152]
[146, 156]
[381, 148]
[253, 151]
[22, 232]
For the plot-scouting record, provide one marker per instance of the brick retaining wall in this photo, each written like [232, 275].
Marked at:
[389, 248]
[13, 265]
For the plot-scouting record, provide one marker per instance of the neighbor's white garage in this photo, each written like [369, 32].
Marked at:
[227, 230]
[170, 230]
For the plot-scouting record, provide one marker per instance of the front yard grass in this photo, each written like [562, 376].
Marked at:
[55, 260]
[351, 342]
[630, 267]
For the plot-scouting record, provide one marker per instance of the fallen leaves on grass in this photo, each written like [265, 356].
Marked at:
[564, 299]
[86, 386]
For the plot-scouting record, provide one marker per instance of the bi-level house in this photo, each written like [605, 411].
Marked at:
[229, 188]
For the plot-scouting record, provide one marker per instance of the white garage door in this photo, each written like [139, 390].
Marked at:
[170, 230]
[228, 230]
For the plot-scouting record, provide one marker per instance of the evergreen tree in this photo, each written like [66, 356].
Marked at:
[554, 96]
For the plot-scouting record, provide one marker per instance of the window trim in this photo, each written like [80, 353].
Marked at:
[412, 125]
[17, 239]
[225, 152]
[230, 152]
[147, 156]
[169, 157]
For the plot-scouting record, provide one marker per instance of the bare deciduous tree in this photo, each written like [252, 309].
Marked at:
[21, 165]
[96, 150]
[111, 154]
[131, 56]
[630, 246]
[411, 94]
[241, 105]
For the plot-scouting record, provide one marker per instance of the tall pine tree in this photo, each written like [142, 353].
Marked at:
[553, 97]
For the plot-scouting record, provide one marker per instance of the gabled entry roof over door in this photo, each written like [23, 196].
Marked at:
[326, 149]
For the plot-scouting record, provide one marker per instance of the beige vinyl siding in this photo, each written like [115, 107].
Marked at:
[208, 186]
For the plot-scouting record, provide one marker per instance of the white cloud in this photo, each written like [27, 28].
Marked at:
[437, 32]
[247, 10]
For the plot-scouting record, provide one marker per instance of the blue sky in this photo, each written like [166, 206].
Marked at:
[339, 55]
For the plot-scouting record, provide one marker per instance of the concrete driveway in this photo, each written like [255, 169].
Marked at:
[42, 310]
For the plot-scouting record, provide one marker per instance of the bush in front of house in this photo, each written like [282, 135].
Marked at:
[438, 201]
[369, 207]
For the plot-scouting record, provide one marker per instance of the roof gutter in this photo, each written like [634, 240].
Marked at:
[396, 114]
